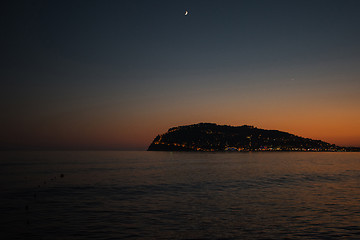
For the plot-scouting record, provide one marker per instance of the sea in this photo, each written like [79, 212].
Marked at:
[179, 195]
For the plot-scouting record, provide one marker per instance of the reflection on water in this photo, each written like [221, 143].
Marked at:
[164, 195]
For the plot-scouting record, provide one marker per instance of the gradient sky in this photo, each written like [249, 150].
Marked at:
[114, 74]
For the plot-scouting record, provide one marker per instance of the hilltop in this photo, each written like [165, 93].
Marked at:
[211, 137]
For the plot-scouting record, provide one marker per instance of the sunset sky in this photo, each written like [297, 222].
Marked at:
[114, 74]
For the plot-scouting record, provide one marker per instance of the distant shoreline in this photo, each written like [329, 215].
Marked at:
[210, 137]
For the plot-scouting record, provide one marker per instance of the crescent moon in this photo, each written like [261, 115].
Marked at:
[186, 13]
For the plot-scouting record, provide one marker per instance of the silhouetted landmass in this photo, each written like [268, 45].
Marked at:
[211, 137]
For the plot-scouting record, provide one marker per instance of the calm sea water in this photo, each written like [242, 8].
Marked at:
[164, 195]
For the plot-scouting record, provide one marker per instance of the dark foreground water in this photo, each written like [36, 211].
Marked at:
[163, 195]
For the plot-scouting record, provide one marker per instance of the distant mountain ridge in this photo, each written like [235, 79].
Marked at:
[210, 137]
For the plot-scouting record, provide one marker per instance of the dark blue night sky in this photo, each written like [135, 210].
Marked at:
[113, 74]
